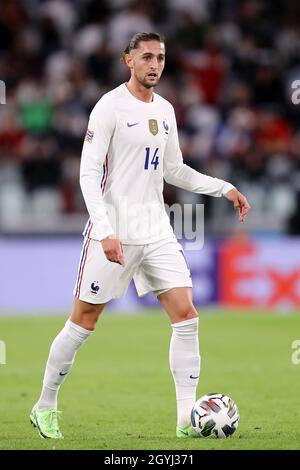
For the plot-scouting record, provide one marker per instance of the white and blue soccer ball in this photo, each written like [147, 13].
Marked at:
[215, 415]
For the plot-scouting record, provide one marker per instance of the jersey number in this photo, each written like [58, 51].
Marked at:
[154, 160]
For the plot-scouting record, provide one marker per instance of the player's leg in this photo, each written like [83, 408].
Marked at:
[178, 303]
[164, 271]
[88, 305]
[86, 314]
[62, 353]
[98, 281]
[61, 357]
[184, 352]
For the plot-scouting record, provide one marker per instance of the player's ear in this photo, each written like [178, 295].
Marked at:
[128, 60]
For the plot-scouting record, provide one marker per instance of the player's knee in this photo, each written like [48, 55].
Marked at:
[89, 321]
[187, 312]
[88, 325]
[89, 317]
[86, 315]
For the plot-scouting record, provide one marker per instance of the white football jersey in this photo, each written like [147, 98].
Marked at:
[130, 148]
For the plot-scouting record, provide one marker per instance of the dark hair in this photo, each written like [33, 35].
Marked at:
[137, 38]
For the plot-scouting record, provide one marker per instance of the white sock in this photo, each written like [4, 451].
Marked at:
[185, 364]
[60, 360]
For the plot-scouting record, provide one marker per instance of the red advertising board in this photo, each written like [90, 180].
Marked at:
[262, 273]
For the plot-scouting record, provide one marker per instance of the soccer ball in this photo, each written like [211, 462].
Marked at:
[215, 415]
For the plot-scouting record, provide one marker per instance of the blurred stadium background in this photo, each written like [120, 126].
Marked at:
[229, 69]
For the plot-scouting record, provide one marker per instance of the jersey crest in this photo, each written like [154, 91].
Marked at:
[153, 126]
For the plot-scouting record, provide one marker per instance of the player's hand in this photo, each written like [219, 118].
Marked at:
[239, 202]
[113, 249]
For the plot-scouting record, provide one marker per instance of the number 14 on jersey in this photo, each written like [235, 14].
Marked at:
[154, 159]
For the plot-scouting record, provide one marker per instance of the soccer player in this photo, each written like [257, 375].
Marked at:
[130, 147]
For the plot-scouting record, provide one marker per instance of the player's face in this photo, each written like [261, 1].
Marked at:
[148, 62]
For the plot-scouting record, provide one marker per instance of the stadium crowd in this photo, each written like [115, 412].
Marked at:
[229, 73]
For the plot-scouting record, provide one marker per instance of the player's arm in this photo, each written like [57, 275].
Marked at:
[95, 148]
[185, 177]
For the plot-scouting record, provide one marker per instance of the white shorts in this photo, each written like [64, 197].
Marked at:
[156, 267]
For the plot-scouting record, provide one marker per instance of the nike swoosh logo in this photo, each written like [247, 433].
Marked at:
[133, 124]
[62, 373]
[192, 377]
[184, 432]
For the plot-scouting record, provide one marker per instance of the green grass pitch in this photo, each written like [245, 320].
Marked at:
[120, 394]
